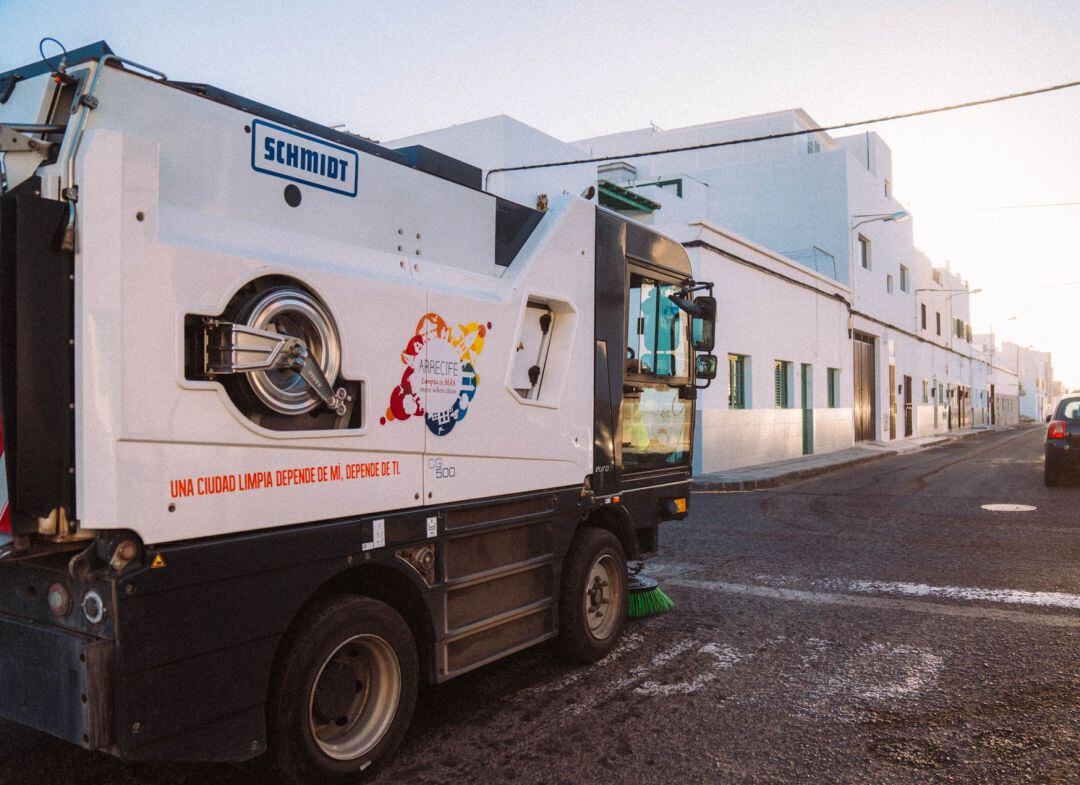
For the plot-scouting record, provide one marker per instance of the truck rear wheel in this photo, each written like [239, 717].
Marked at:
[345, 691]
[593, 596]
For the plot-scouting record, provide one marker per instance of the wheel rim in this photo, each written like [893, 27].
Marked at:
[295, 313]
[603, 596]
[354, 697]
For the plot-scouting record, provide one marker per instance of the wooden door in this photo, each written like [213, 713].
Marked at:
[865, 411]
[892, 401]
[908, 413]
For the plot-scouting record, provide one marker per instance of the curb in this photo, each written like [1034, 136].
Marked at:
[784, 479]
[803, 474]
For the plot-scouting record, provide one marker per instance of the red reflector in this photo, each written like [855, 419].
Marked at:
[1058, 429]
[5, 513]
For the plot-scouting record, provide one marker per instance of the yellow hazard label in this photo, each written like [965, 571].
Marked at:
[159, 561]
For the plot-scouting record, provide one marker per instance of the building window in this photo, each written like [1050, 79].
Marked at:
[925, 392]
[904, 282]
[938, 314]
[889, 284]
[864, 252]
[833, 378]
[959, 328]
[888, 187]
[782, 382]
[967, 333]
[736, 397]
[922, 313]
[812, 146]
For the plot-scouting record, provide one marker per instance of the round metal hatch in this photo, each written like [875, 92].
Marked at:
[289, 310]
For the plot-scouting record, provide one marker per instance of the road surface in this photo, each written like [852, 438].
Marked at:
[875, 625]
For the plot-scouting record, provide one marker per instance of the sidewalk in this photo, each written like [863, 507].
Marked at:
[770, 475]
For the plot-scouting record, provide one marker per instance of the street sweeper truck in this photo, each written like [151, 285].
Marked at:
[293, 423]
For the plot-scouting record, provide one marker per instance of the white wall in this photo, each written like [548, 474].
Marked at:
[1035, 372]
[769, 309]
[492, 142]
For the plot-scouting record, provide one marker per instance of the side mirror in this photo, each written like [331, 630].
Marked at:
[705, 367]
[1048, 418]
[703, 325]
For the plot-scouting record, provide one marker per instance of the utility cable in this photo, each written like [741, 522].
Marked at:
[802, 132]
[1027, 206]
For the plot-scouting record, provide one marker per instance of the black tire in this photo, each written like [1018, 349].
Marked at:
[330, 647]
[581, 639]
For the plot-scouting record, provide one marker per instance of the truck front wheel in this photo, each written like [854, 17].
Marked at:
[592, 599]
[345, 691]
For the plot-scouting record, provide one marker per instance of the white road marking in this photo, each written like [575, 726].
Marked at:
[698, 665]
[877, 674]
[1044, 599]
[660, 569]
[885, 603]
[908, 670]
[1047, 599]
[629, 642]
[1009, 507]
[723, 658]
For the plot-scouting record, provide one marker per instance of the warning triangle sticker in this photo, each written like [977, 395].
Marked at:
[159, 561]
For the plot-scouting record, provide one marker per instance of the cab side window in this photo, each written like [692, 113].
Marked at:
[656, 330]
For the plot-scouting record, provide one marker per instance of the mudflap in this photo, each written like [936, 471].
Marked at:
[37, 366]
[56, 681]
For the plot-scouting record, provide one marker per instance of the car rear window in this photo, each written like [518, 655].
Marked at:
[1069, 410]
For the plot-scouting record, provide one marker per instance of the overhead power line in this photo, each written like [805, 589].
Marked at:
[1027, 206]
[1057, 285]
[802, 132]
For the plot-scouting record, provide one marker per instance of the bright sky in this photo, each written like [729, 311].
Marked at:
[388, 69]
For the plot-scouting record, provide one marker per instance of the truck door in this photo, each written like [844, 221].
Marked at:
[656, 419]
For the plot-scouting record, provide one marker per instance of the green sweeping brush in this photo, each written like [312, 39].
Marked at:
[646, 598]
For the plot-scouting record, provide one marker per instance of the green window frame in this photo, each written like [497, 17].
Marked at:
[782, 383]
[736, 381]
[833, 380]
[676, 181]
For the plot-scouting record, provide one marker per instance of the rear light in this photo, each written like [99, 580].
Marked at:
[59, 600]
[5, 513]
[1058, 429]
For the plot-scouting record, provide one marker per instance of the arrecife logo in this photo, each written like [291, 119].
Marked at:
[440, 378]
[301, 158]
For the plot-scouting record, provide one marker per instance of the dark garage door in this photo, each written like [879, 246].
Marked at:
[864, 386]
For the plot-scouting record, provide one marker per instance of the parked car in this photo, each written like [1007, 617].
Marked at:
[1063, 440]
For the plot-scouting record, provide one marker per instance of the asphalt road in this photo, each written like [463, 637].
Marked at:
[870, 626]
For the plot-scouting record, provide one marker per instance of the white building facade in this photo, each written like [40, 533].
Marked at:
[1036, 379]
[835, 327]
